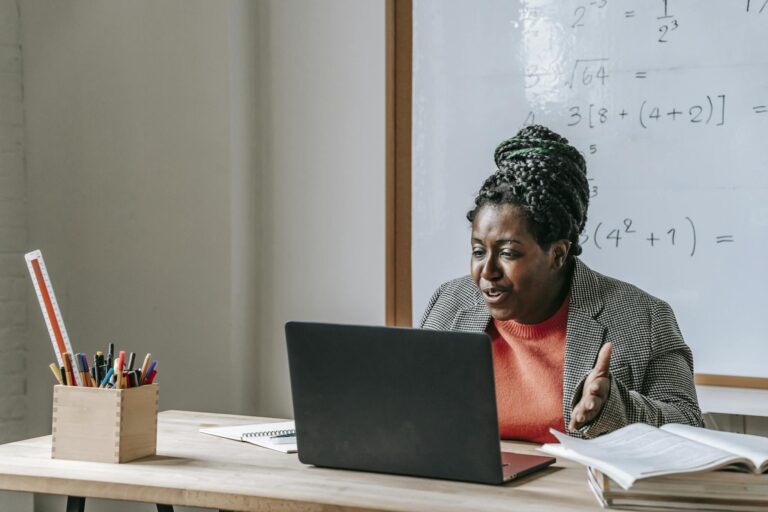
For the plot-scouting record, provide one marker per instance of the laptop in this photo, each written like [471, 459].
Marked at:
[404, 401]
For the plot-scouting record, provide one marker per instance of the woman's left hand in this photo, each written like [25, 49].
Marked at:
[595, 391]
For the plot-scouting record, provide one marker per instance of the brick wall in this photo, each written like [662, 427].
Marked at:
[13, 228]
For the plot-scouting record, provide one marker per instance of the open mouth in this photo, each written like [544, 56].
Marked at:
[494, 295]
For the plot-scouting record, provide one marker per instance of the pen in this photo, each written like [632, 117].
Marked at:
[151, 377]
[110, 354]
[283, 439]
[131, 358]
[98, 363]
[63, 372]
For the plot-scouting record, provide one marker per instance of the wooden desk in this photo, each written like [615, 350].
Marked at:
[195, 469]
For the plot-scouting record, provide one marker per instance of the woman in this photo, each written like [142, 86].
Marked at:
[572, 349]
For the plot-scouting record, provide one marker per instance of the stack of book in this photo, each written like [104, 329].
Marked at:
[674, 467]
[711, 490]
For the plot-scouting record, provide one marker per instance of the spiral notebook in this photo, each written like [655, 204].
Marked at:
[260, 434]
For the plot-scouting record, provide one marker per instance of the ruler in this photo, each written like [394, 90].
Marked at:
[50, 308]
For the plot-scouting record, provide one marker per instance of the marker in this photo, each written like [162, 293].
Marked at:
[71, 381]
[150, 369]
[116, 373]
[87, 370]
[113, 380]
[98, 366]
[131, 358]
[63, 372]
[81, 369]
[105, 380]
[151, 377]
[110, 354]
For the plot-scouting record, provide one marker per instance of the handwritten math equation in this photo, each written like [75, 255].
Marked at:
[663, 17]
[708, 110]
[679, 235]
[700, 109]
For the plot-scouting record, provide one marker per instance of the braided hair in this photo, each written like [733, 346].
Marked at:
[547, 178]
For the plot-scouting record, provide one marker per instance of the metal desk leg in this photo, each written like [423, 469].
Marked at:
[164, 508]
[75, 504]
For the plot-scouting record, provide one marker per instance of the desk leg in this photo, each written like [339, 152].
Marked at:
[75, 504]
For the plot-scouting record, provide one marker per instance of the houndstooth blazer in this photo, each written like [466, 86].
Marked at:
[651, 366]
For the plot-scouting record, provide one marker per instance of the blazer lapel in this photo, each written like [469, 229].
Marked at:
[472, 319]
[584, 335]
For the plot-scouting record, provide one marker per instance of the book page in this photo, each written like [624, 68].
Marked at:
[754, 448]
[639, 451]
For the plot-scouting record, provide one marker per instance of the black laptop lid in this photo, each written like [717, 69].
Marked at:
[394, 400]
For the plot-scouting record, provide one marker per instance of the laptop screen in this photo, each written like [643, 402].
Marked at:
[395, 400]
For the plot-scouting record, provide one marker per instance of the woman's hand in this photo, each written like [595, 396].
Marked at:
[595, 391]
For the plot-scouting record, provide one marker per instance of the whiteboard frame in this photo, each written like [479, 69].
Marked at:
[399, 94]
[399, 77]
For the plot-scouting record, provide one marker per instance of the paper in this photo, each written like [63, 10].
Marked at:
[258, 434]
[640, 451]
[754, 448]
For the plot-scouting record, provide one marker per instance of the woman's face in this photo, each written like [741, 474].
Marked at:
[519, 279]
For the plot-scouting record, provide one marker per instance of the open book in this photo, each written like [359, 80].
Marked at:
[641, 451]
[267, 435]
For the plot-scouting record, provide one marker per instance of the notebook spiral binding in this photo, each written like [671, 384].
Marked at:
[269, 433]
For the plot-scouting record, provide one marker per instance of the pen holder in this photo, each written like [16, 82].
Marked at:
[104, 425]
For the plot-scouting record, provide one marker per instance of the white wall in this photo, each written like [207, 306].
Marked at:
[199, 173]
[322, 199]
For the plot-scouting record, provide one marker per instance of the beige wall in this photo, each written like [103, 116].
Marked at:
[13, 229]
[129, 171]
[200, 172]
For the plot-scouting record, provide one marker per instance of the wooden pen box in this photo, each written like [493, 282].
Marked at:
[104, 425]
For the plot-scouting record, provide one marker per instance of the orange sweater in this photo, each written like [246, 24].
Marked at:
[528, 364]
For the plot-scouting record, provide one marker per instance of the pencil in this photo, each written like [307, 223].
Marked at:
[56, 372]
[144, 367]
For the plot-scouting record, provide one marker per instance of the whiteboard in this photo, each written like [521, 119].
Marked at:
[668, 102]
